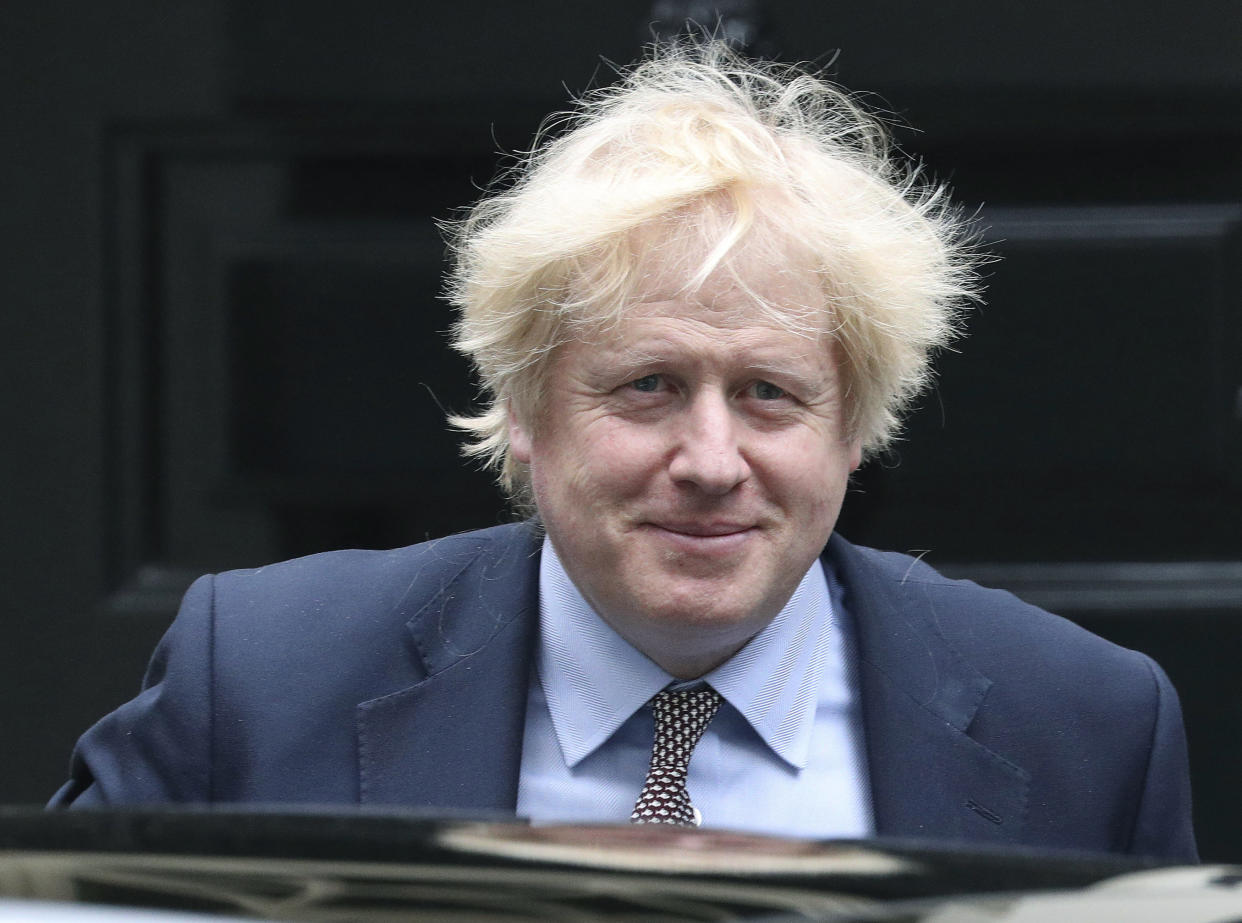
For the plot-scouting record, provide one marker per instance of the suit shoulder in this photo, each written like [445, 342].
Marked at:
[435, 560]
[979, 621]
[333, 586]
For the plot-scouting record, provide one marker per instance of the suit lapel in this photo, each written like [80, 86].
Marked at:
[454, 740]
[928, 776]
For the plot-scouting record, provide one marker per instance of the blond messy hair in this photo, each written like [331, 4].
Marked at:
[702, 154]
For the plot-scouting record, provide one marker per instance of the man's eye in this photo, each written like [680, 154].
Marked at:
[766, 391]
[647, 384]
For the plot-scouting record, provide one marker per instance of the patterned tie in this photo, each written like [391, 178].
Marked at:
[680, 720]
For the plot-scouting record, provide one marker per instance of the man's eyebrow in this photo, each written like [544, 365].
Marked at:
[631, 354]
[807, 363]
[805, 374]
[803, 368]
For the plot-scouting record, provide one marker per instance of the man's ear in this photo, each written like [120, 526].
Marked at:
[519, 438]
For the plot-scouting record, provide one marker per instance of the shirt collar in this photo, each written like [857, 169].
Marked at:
[594, 680]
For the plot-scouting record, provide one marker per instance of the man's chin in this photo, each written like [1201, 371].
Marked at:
[701, 607]
[689, 639]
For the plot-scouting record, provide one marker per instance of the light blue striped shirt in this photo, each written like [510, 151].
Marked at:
[784, 755]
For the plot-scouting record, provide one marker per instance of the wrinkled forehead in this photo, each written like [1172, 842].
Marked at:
[695, 259]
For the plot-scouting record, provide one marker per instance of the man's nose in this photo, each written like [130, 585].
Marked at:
[708, 449]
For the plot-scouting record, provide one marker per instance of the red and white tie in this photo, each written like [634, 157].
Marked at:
[680, 719]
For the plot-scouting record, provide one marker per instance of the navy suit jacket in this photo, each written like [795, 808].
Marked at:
[400, 678]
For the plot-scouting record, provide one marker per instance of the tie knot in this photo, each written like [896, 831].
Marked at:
[681, 717]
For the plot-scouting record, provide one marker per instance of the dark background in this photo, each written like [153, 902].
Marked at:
[222, 343]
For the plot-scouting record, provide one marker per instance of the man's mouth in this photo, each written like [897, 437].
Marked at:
[718, 540]
[711, 529]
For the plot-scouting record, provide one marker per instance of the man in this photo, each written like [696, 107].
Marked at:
[694, 312]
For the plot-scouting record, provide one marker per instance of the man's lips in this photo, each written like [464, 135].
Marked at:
[711, 543]
[704, 529]
[711, 539]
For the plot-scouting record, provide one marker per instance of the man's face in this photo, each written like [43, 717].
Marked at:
[689, 465]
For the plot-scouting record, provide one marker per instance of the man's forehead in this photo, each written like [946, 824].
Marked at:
[786, 309]
[681, 330]
[779, 298]
[732, 308]
[770, 272]
[666, 275]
